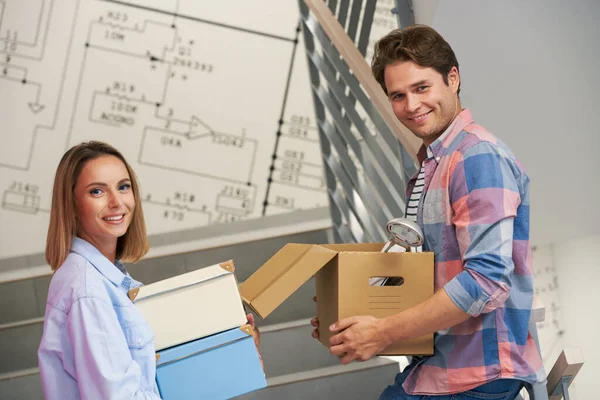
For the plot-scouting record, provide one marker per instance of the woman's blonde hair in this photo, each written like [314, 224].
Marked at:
[63, 215]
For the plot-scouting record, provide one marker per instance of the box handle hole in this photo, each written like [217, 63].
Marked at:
[386, 281]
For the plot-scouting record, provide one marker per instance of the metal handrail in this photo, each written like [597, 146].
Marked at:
[366, 166]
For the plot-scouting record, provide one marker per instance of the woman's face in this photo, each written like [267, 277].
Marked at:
[104, 200]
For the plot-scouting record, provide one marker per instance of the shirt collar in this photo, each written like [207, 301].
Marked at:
[438, 148]
[115, 273]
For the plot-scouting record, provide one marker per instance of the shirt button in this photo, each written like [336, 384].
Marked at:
[437, 159]
[139, 342]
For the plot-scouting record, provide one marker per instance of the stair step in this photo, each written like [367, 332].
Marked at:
[19, 344]
[356, 380]
[22, 385]
[26, 299]
[289, 348]
[364, 380]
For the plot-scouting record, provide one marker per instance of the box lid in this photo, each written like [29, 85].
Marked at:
[203, 345]
[182, 281]
[282, 275]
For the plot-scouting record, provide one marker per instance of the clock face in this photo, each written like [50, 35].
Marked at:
[405, 234]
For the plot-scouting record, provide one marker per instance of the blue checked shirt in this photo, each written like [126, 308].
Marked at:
[474, 213]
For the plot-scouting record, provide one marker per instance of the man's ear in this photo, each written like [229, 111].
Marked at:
[454, 78]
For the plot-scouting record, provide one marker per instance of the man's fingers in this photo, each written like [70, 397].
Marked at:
[343, 324]
[315, 299]
[315, 322]
[348, 358]
[315, 333]
[338, 351]
[336, 340]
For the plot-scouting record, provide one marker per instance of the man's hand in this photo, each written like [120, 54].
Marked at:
[315, 322]
[359, 338]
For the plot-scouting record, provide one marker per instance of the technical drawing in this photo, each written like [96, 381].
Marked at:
[21, 201]
[197, 128]
[21, 36]
[24, 34]
[24, 29]
[216, 130]
[218, 155]
[176, 212]
[133, 41]
[18, 116]
[236, 200]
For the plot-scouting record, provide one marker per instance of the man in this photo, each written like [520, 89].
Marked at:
[471, 198]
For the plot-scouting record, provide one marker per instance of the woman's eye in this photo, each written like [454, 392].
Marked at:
[125, 186]
[95, 192]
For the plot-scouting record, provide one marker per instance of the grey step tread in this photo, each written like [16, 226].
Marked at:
[22, 385]
[19, 344]
[26, 299]
[329, 371]
[308, 353]
[353, 381]
[20, 373]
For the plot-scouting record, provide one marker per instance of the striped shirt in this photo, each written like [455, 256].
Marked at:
[415, 196]
[475, 218]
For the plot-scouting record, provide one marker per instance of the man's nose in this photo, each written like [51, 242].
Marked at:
[412, 103]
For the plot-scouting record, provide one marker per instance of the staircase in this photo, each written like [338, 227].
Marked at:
[296, 365]
[358, 162]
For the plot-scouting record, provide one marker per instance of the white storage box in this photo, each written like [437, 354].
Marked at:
[191, 305]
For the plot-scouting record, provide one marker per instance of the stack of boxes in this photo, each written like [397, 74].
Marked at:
[205, 348]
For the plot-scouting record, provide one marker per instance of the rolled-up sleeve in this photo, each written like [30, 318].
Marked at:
[103, 363]
[484, 194]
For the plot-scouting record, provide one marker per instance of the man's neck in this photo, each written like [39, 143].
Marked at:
[428, 141]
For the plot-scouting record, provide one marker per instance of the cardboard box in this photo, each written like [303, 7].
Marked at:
[221, 366]
[342, 282]
[191, 305]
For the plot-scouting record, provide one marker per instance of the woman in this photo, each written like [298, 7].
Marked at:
[95, 345]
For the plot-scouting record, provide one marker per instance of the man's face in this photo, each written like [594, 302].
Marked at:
[421, 99]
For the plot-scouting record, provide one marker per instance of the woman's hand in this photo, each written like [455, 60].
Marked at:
[315, 322]
[256, 336]
[256, 333]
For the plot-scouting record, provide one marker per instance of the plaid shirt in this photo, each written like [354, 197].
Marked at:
[475, 217]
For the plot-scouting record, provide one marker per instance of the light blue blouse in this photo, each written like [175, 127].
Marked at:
[96, 344]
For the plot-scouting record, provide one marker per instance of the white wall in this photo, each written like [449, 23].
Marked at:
[552, 330]
[578, 268]
[529, 74]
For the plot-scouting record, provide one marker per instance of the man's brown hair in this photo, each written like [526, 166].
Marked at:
[418, 43]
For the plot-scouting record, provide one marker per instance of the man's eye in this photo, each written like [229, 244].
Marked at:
[421, 88]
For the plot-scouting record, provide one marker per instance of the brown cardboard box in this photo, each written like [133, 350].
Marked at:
[342, 276]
